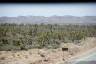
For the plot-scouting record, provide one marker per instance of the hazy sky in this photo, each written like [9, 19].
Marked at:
[60, 9]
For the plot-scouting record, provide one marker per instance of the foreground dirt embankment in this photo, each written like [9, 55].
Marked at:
[87, 46]
[49, 56]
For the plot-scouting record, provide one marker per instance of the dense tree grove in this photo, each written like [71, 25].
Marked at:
[28, 36]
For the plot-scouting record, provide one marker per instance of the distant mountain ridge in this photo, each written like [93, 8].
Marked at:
[49, 20]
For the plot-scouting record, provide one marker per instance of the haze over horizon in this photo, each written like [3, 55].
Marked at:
[60, 9]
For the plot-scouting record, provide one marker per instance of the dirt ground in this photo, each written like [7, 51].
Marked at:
[49, 56]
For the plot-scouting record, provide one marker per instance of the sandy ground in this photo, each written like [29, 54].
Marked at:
[86, 49]
[81, 54]
[49, 56]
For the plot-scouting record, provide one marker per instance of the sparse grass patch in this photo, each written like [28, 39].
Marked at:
[30, 53]
[2, 58]
[13, 55]
[26, 56]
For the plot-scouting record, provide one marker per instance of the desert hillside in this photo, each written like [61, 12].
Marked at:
[44, 43]
[47, 56]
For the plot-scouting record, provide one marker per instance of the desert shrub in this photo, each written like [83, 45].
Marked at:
[9, 47]
[3, 58]
[23, 37]
[4, 40]
[53, 44]
[16, 42]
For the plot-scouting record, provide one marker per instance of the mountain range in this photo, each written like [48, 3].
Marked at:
[49, 20]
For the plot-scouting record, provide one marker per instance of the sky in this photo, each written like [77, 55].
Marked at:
[50, 9]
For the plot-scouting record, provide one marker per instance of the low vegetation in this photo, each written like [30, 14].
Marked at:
[24, 37]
